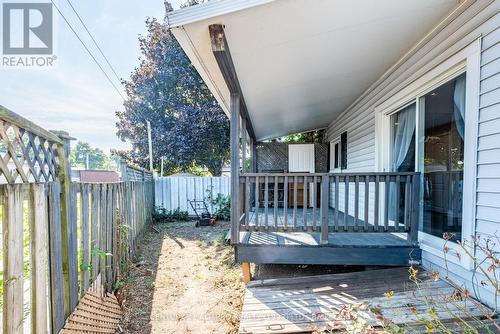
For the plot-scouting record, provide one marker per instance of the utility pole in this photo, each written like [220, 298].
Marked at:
[161, 167]
[87, 164]
[150, 144]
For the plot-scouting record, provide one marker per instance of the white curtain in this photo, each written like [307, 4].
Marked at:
[403, 135]
[459, 105]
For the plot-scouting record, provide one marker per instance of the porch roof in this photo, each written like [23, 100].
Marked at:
[299, 62]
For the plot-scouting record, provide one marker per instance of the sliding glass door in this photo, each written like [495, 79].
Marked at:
[440, 136]
[441, 159]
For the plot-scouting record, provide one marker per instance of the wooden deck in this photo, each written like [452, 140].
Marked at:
[340, 301]
[345, 248]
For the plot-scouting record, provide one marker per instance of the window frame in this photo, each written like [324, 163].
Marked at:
[335, 141]
[466, 61]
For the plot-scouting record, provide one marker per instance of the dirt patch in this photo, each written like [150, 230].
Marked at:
[184, 280]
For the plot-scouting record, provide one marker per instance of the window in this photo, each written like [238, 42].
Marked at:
[338, 153]
[335, 154]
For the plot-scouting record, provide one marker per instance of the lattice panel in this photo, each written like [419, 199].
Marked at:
[25, 157]
[94, 314]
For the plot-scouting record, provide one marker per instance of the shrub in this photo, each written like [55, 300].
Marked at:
[161, 215]
[222, 205]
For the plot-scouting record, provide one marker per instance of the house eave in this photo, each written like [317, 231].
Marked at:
[208, 10]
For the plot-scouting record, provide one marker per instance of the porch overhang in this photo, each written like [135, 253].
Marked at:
[301, 63]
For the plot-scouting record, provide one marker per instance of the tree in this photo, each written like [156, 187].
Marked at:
[97, 158]
[316, 136]
[188, 126]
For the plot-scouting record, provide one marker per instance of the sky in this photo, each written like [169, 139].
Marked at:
[74, 95]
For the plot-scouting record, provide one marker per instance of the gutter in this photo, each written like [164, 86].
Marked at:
[209, 10]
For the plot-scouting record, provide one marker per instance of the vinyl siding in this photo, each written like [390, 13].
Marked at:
[482, 18]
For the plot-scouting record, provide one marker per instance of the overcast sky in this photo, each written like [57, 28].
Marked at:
[74, 95]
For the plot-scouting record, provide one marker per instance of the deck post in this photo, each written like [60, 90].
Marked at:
[325, 183]
[415, 209]
[247, 274]
[235, 168]
[243, 144]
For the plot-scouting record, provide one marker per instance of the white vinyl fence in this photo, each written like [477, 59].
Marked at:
[174, 192]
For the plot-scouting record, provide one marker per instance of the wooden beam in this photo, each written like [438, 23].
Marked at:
[224, 60]
[247, 274]
[235, 167]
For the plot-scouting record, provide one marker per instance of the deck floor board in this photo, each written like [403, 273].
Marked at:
[306, 304]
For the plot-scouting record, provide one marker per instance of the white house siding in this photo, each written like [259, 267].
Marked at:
[481, 18]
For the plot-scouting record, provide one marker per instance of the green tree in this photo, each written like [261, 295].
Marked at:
[189, 129]
[96, 157]
[316, 136]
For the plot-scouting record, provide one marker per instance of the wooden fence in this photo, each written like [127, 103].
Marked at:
[175, 192]
[59, 239]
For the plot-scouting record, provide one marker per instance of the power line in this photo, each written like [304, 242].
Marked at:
[87, 49]
[95, 42]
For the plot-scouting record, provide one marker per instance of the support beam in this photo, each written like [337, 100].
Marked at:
[235, 167]
[223, 57]
[244, 145]
[247, 274]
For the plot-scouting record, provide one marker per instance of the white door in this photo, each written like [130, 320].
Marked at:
[301, 158]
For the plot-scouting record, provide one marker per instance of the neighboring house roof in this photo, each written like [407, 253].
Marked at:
[301, 63]
[99, 176]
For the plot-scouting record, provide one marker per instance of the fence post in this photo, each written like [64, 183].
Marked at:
[69, 256]
[123, 169]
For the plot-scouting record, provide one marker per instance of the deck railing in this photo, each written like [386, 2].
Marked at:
[330, 203]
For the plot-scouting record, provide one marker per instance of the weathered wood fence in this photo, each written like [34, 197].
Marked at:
[59, 239]
[175, 192]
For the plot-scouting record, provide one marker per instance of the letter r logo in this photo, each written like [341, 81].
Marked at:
[27, 28]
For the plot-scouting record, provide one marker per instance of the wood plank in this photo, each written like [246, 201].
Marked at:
[73, 247]
[305, 204]
[266, 202]
[314, 197]
[102, 232]
[257, 201]
[398, 195]
[346, 201]
[325, 191]
[285, 202]
[336, 214]
[247, 201]
[294, 213]
[94, 230]
[386, 202]
[85, 238]
[367, 201]
[356, 202]
[301, 304]
[13, 287]
[376, 203]
[275, 204]
[235, 164]
[39, 258]
[55, 249]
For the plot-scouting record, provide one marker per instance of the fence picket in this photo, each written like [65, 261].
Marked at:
[39, 258]
[13, 291]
